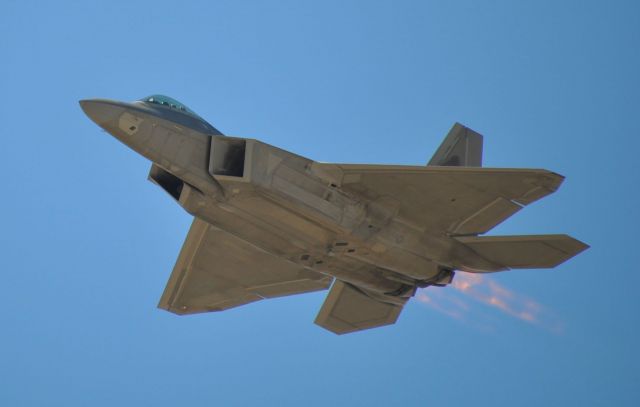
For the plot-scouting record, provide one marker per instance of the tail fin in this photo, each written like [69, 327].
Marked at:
[461, 148]
[524, 252]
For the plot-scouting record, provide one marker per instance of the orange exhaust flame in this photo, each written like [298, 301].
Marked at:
[484, 290]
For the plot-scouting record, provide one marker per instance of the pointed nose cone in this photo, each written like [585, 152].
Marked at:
[103, 112]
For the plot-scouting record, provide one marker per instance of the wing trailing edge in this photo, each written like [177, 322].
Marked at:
[216, 271]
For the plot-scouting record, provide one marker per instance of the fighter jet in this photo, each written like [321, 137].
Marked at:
[271, 223]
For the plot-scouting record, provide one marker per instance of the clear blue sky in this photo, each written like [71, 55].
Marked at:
[87, 243]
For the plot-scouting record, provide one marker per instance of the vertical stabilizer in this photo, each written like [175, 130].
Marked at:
[461, 148]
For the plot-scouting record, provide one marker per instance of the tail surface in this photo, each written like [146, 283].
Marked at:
[349, 309]
[461, 148]
[524, 252]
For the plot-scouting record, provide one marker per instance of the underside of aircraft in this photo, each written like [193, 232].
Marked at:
[270, 223]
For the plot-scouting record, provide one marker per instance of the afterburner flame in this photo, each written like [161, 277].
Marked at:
[483, 289]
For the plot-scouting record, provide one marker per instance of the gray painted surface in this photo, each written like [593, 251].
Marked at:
[271, 223]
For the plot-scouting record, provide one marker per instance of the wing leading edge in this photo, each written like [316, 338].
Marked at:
[216, 271]
[448, 200]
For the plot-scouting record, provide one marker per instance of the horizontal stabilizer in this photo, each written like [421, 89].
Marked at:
[348, 309]
[461, 148]
[525, 252]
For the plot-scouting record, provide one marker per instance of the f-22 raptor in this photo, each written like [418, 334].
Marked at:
[270, 223]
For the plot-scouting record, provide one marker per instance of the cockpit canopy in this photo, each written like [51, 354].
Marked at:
[189, 119]
[170, 103]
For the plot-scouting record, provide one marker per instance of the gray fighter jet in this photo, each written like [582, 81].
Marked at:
[270, 223]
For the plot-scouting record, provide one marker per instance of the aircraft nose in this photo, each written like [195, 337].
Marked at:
[101, 111]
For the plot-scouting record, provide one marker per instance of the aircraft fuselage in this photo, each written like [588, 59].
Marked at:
[274, 223]
[279, 202]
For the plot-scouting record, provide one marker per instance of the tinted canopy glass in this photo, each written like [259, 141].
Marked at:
[170, 103]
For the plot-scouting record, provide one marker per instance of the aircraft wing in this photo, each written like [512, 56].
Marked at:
[349, 309]
[452, 200]
[216, 271]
